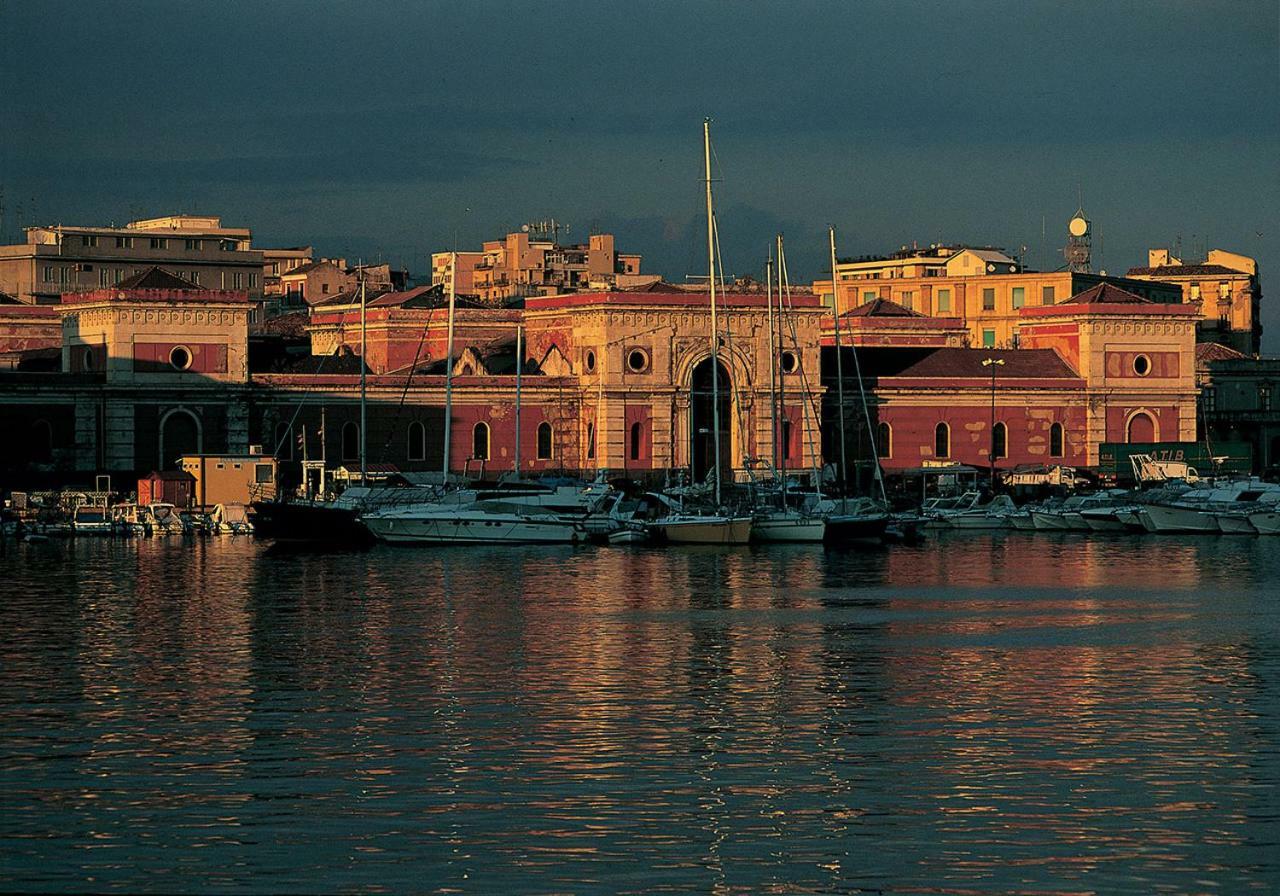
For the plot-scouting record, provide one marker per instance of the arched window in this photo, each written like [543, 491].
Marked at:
[884, 440]
[417, 441]
[636, 432]
[350, 441]
[282, 441]
[41, 441]
[544, 441]
[1000, 441]
[1141, 428]
[480, 442]
[1056, 448]
[180, 434]
[786, 440]
[942, 440]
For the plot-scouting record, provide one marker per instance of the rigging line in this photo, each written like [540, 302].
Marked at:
[810, 400]
[408, 380]
[301, 401]
[737, 390]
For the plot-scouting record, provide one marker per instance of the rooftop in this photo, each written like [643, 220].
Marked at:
[1186, 270]
[965, 363]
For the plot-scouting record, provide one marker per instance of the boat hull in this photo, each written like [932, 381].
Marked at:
[1266, 522]
[307, 523]
[1177, 520]
[1234, 524]
[791, 529]
[845, 529]
[703, 531]
[470, 529]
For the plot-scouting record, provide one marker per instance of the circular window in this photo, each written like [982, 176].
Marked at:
[86, 360]
[637, 360]
[590, 361]
[180, 357]
[1142, 365]
[790, 363]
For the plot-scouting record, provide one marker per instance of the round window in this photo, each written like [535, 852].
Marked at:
[180, 357]
[637, 360]
[790, 363]
[590, 361]
[86, 360]
[1142, 365]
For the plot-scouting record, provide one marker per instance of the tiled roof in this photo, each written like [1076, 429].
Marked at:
[1185, 270]
[966, 363]
[881, 308]
[292, 324]
[1106, 294]
[156, 278]
[1212, 351]
[410, 298]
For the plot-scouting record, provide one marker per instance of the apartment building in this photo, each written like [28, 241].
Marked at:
[1225, 288]
[523, 264]
[70, 259]
[983, 288]
[278, 262]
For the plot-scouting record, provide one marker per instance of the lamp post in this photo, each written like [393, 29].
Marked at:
[993, 363]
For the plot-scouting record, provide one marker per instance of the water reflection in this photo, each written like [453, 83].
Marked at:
[977, 713]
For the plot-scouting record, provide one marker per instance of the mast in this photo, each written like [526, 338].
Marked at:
[711, 283]
[363, 367]
[448, 367]
[773, 386]
[835, 315]
[519, 370]
[775, 352]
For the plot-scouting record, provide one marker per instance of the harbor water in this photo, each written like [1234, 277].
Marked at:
[981, 713]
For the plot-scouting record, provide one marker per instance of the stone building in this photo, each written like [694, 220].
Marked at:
[1225, 289]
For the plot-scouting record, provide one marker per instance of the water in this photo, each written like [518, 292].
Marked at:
[981, 714]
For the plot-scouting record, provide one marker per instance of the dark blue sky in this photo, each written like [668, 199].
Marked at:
[385, 131]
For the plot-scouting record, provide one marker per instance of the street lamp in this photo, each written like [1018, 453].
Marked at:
[993, 363]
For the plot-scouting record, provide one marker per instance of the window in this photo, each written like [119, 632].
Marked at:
[194, 277]
[988, 338]
[1224, 290]
[942, 440]
[49, 276]
[989, 299]
[591, 440]
[64, 275]
[637, 431]
[1055, 440]
[283, 445]
[324, 287]
[1048, 295]
[884, 440]
[350, 441]
[908, 298]
[117, 275]
[944, 300]
[1000, 441]
[237, 280]
[124, 242]
[480, 442]
[417, 449]
[103, 277]
[194, 245]
[544, 441]
[1141, 365]
[637, 360]
[786, 440]
[88, 240]
[159, 242]
[868, 295]
[263, 473]
[1209, 398]
[1019, 296]
[1195, 292]
[589, 361]
[1264, 397]
[790, 363]
[180, 357]
[253, 281]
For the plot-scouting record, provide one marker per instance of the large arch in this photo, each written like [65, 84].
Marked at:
[180, 433]
[706, 394]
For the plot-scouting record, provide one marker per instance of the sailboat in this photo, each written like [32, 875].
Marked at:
[717, 527]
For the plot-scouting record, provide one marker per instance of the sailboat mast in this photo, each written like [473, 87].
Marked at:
[835, 315]
[773, 384]
[711, 283]
[448, 367]
[775, 353]
[519, 371]
[363, 367]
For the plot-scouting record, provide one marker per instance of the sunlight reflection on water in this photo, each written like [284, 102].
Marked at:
[980, 713]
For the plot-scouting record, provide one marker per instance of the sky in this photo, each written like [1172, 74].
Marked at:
[387, 131]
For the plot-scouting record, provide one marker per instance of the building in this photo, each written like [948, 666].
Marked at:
[318, 281]
[58, 260]
[523, 264]
[229, 478]
[982, 289]
[1240, 401]
[1225, 289]
[278, 262]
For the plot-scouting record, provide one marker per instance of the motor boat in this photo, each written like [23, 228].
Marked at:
[230, 519]
[91, 519]
[993, 515]
[479, 522]
[854, 520]
[682, 527]
[937, 510]
[1200, 510]
[165, 519]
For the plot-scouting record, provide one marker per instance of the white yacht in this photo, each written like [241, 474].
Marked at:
[480, 522]
[994, 515]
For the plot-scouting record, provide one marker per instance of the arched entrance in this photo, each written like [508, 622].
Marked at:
[179, 435]
[1141, 428]
[702, 421]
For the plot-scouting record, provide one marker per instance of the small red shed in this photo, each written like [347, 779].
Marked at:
[169, 487]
